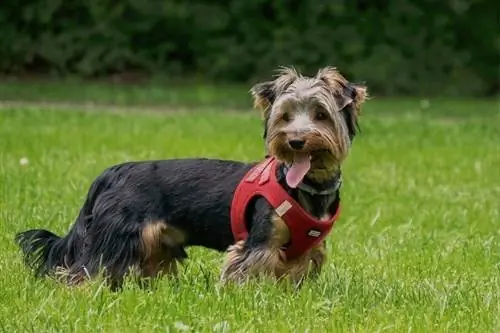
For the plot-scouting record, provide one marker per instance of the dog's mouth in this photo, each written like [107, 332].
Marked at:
[301, 164]
[299, 161]
[298, 169]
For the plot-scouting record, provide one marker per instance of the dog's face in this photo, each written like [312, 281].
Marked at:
[309, 121]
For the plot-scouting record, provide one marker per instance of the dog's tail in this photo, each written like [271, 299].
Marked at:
[43, 251]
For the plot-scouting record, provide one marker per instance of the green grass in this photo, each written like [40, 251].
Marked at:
[158, 94]
[417, 247]
[150, 93]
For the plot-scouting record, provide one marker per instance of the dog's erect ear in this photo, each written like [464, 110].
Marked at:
[357, 95]
[360, 95]
[338, 85]
[343, 100]
[353, 93]
[263, 95]
[344, 92]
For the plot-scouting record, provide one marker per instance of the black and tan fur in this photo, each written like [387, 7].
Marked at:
[141, 216]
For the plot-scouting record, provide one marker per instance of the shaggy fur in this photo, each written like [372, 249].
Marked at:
[141, 216]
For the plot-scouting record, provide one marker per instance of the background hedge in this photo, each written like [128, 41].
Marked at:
[396, 46]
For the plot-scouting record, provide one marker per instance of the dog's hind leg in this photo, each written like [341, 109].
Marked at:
[143, 250]
[161, 249]
[112, 241]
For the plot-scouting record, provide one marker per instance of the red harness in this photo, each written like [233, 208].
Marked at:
[305, 230]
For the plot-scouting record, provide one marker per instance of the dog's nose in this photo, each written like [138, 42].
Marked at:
[296, 144]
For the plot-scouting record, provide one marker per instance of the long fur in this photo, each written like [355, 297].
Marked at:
[141, 216]
[192, 195]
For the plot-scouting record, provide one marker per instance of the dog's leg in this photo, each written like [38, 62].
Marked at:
[266, 258]
[121, 240]
[161, 248]
[318, 259]
[146, 251]
[244, 262]
[261, 253]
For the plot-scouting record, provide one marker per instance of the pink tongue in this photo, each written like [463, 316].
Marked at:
[300, 166]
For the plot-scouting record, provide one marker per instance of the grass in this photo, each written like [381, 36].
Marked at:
[155, 95]
[417, 247]
[149, 93]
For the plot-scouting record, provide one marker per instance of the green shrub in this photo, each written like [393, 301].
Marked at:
[396, 46]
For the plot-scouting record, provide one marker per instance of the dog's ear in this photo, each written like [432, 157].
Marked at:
[344, 91]
[338, 85]
[356, 94]
[343, 100]
[360, 95]
[264, 95]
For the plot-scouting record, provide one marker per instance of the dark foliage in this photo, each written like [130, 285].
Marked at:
[397, 46]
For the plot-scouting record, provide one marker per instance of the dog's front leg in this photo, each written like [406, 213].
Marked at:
[244, 262]
[318, 259]
[260, 254]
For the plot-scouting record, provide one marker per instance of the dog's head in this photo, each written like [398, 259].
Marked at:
[309, 121]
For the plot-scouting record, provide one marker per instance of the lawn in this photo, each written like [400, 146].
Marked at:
[417, 247]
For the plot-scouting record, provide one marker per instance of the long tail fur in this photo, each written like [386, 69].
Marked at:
[44, 251]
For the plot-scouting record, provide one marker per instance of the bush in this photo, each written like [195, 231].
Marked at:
[396, 46]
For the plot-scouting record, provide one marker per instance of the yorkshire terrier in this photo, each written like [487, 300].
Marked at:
[271, 217]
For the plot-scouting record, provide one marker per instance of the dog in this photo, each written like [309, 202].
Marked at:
[269, 217]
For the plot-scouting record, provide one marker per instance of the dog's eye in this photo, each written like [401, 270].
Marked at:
[285, 117]
[320, 115]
